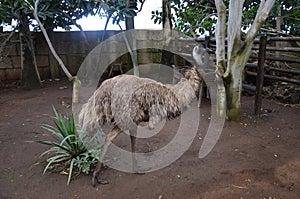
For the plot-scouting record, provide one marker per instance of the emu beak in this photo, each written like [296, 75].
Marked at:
[198, 54]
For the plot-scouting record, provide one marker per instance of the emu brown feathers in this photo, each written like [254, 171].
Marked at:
[126, 101]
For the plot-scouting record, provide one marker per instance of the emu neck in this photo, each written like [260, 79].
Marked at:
[187, 89]
[184, 92]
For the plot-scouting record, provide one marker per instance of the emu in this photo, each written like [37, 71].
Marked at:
[126, 101]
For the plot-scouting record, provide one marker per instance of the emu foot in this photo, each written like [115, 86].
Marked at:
[97, 178]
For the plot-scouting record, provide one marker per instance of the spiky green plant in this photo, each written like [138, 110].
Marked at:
[67, 151]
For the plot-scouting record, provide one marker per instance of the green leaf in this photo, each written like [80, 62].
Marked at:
[69, 149]
[70, 171]
[52, 160]
[53, 130]
[67, 139]
[52, 149]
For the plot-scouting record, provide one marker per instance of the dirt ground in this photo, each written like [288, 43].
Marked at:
[257, 157]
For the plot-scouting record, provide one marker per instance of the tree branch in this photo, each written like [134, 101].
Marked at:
[234, 25]
[274, 31]
[220, 36]
[76, 82]
[141, 7]
[265, 7]
[105, 26]
[68, 74]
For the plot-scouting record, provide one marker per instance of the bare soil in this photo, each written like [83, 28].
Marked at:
[257, 157]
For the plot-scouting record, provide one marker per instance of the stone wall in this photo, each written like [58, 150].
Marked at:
[72, 49]
[69, 45]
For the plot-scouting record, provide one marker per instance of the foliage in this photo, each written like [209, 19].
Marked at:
[187, 11]
[119, 10]
[197, 17]
[290, 15]
[67, 152]
[189, 16]
[63, 14]
[53, 13]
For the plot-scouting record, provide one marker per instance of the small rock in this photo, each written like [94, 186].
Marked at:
[63, 87]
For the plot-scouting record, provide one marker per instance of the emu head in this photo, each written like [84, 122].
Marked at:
[201, 58]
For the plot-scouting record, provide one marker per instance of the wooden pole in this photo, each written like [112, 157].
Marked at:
[260, 74]
[283, 70]
[282, 79]
[206, 41]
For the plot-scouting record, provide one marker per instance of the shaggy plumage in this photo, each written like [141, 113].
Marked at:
[126, 101]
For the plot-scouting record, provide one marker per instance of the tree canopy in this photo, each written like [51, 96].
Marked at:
[197, 17]
[65, 13]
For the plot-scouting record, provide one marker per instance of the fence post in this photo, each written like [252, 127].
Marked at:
[206, 41]
[260, 74]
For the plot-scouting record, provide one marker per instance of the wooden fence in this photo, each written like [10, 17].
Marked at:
[264, 46]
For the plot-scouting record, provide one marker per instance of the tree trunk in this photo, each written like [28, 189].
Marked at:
[166, 56]
[238, 50]
[30, 75]
[233, 93]
[233, 79]
[129, 22]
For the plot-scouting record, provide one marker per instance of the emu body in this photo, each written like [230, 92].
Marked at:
[126, 101]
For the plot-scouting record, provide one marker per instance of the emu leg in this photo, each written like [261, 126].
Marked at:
[135, 168]
[109, 138]
[133, 141]
[200, 94]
